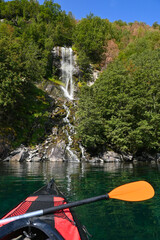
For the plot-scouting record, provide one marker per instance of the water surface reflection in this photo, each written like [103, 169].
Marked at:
[106, 220]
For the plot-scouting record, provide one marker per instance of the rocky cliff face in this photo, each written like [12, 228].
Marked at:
[60, 144]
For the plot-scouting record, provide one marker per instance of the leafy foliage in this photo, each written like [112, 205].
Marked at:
[90, 35]
[28, 33]
[126, 104]
[85, 67]
[31, 118]
[121, 110]
[19, 64]
[90, 127]
[150, 41]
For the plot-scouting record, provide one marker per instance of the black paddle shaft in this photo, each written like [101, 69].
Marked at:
[75, 204]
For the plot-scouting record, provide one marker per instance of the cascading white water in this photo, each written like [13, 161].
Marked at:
[82, 151]
[67, 72]
[67, 68]
[72, 156]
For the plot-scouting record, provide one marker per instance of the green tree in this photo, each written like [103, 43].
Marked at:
[90, 35]
[63, 31]
[90, 124]
[155, 24]
[49, 11]
[85, 67]
[20, 64]
[127, 101]
[150, 41]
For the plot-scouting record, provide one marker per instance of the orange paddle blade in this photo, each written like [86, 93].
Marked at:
[135, 191]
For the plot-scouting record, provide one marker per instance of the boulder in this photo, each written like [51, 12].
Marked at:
[36, 159]
[158, 157]
[56, 152]
[111, 156]
[127, 157]
[49, 87]
[20, 155]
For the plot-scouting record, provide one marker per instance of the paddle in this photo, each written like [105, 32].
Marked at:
[135, 191]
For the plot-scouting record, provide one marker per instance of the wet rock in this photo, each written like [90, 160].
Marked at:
[96, 160]
[6, 159]
[111, 156]
[56, 152]
[146, 157]
[55, 131]
[20, 155]
[158, 157]
[34, 151]
[127, 157]
[71, 155]
[17, 150]
[36, 159]
[49, 87]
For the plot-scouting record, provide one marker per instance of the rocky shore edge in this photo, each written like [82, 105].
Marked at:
[49, 151]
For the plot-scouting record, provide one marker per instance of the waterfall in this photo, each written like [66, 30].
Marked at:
[67, 72]
[72, 155]
[82, 151]
[67, 66]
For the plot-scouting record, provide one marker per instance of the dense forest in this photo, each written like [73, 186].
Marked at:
[28, 33]
[119, 111]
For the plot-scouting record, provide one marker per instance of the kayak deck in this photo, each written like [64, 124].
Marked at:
[60, 225]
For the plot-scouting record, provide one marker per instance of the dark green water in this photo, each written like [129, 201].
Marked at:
[116, 220]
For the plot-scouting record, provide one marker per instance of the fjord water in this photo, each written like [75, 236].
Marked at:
[105, 220]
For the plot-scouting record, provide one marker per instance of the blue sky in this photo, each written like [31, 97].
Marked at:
[147, 11]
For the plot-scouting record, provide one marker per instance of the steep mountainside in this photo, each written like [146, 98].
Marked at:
[106, 115]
